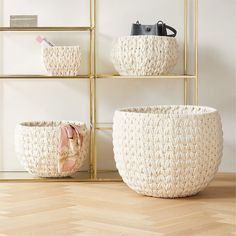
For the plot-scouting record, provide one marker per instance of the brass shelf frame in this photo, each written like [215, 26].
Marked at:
[93, 77]
[185, 77]
[90, 77]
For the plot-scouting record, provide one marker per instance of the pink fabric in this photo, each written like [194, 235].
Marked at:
[71, 140]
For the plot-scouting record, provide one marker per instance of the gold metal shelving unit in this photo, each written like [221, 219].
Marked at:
[7, 176]
[185, 76]
[93, 174]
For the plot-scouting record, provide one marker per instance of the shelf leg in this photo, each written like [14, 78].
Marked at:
[185, 51]
[95, 131]
[196, 51]
[95, 93]
[91, 93]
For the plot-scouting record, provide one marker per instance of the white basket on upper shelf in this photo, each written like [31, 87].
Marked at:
[62, 60]
[144, 55]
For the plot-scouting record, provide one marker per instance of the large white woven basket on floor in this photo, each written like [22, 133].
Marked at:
[37, 147]
[62, 60]
[144, 55]
[167, 151]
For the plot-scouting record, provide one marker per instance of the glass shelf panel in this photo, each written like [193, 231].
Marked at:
[80, 176]
[28, 76]
[50, 28]
[110, 76]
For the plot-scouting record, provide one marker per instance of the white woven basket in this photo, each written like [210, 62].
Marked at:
[144, 55]
[62, 60]
[167, 151]
[37, 147]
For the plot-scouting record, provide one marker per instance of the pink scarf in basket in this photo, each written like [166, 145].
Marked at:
[71, 140]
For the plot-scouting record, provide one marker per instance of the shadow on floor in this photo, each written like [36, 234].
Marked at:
[216, 192]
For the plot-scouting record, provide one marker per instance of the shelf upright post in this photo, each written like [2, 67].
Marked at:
[95, 93]
[185, 51]
[196, 50]
[91, 89]
[1, 89]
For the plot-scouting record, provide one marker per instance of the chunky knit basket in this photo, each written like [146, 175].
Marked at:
[37, 148]
[62, 60]
[144, 55]
[167, 151]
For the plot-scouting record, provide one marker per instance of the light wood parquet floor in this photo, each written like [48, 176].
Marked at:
[112, 209]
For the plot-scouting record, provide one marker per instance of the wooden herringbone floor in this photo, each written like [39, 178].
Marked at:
[112, 209]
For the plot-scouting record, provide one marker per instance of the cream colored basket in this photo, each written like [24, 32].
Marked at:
[62, 60]
[144, 55]
[37, 148]
[167, 151]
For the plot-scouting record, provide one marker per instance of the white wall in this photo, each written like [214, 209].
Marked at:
[36, 100]
[217, 68]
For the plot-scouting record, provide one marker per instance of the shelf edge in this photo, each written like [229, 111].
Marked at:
[46, 28]
[110, 76]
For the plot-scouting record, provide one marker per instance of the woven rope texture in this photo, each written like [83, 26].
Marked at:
[167, 151]
[37, 148]
[62, 61]
[144, 55]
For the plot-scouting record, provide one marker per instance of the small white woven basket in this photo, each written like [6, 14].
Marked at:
[62, 60]
[167, 151]
[37, 147]
[144, 55]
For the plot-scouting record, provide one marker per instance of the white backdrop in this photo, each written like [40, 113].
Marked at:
[69, 100]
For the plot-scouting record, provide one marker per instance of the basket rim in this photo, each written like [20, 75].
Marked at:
[146, 36]
[205, 110]
[62, 46]
[42, 124]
